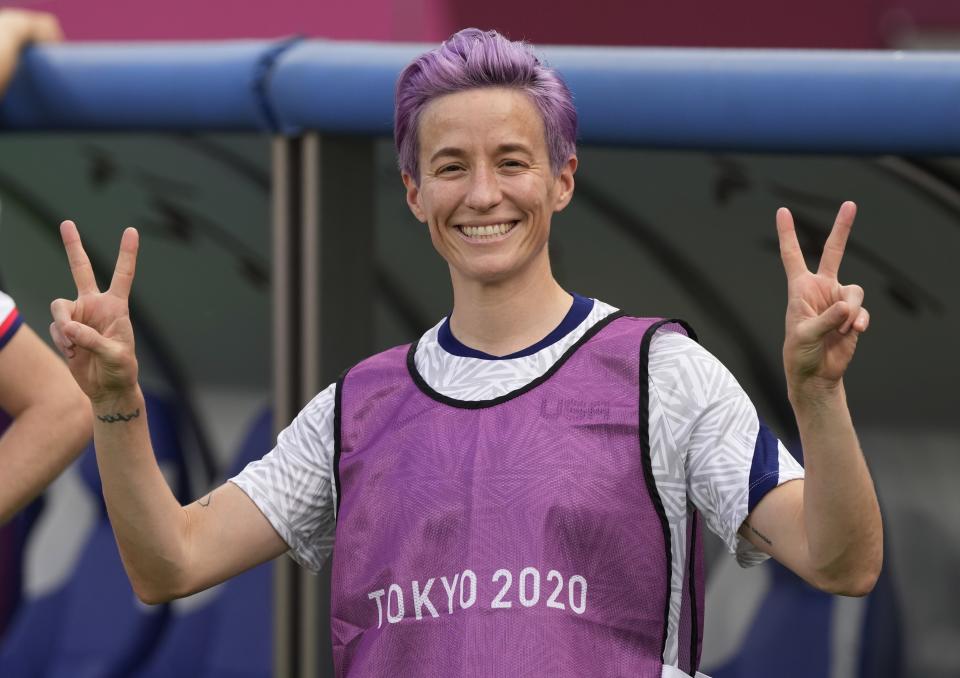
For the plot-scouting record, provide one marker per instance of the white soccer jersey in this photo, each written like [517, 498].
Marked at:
[708, 448]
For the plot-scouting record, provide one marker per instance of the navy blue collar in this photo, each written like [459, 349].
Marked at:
[578, 312]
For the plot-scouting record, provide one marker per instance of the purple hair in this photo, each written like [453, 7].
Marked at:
[470, 59]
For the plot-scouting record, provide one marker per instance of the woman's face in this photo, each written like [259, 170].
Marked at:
[486, 189]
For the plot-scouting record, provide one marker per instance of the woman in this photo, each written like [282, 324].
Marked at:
[519, 492]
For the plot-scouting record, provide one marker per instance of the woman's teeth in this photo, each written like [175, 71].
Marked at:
[487, 231]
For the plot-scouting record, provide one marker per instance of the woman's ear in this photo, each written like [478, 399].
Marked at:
[565, 183]
[413, 197]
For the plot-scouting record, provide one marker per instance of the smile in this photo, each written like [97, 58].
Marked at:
[488, 231]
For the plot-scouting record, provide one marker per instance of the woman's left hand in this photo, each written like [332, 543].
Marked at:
[824, 318]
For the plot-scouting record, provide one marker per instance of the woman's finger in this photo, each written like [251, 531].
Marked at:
[853, 295]
[126, 264]
[863, 321]
[837, 240]
[63, 345]
[62, 312]
[86, 338]
[790, 252]
[814, 329]
[80, 266]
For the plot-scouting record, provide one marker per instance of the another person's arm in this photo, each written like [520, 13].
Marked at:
[19, 28]
[168, 550]
[50, 419]
[826, 528]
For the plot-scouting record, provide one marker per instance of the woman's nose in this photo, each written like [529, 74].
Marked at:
[484, 192]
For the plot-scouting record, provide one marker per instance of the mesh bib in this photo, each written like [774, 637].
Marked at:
[520, 536]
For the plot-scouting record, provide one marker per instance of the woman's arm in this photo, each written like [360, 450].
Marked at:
[51, 420]
[827, 528]
[19, 28]
[168, 550]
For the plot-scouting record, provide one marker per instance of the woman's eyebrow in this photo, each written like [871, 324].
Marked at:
[513, 148]
[455, 152]
[448, 150]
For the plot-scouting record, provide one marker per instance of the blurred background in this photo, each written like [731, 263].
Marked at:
[203, 204]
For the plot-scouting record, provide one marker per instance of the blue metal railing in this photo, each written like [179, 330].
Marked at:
[707, 99]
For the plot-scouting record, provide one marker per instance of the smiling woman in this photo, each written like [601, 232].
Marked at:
[487, 193]
[485, 136]
[522, 491]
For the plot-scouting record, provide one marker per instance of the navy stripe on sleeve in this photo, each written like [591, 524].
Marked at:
[765, 469]
[10, 327]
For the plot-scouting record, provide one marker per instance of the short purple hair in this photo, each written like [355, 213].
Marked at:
[471, 59]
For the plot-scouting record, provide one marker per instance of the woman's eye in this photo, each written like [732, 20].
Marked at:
[449, 169]
[512, 164]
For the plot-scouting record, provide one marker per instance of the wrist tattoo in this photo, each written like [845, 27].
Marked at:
[759, 534]
[205, 501]
[119, 416]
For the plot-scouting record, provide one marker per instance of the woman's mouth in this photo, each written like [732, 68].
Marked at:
[487, 231]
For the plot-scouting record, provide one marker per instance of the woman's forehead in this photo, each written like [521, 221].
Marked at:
[488, 117]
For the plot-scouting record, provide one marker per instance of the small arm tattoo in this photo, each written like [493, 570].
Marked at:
[762, 536]
[119, 416]
[205, 501]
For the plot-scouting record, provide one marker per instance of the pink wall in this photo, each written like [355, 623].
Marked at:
[731, 23]
[689, 23]
[860, 24]
[405, 20]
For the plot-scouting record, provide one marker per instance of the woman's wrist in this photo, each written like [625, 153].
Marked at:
[118, 406]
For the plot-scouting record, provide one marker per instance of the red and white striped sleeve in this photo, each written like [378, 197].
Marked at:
[10, 319]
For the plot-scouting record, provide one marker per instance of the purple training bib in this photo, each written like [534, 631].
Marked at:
[519, 536]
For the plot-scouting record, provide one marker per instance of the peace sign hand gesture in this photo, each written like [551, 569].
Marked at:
[94, 332]
[824, 318]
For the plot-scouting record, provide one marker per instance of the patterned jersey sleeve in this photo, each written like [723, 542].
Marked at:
[729, 458]
[293, 485]
[10, 319]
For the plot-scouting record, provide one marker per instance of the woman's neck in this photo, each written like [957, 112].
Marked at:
[508, 316]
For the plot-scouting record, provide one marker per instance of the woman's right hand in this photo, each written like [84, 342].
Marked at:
[93, 332]
[25, 26]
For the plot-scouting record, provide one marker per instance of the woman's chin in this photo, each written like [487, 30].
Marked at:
[489, 272]
[497, 268]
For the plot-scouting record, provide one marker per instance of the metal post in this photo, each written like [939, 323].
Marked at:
[285, 278]
[337, 278]
[315, 659]
[338, 258]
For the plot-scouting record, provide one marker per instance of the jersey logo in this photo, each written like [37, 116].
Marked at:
[570, 408]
